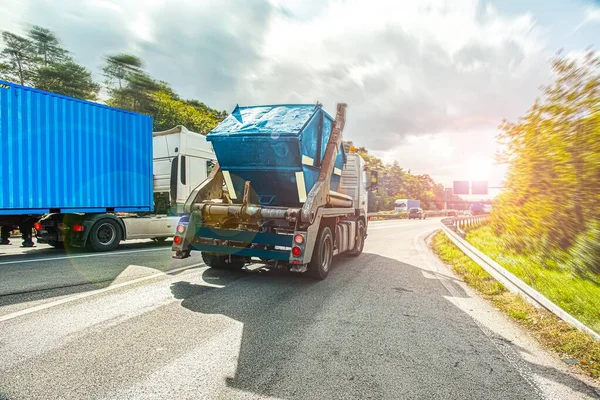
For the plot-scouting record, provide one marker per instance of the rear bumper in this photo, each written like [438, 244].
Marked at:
[247, 244]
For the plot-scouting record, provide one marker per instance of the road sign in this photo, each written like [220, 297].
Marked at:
[479, 187]
[461, 187]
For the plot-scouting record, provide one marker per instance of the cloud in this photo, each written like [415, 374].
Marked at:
[404, 68]
[590, 15]
[203, 49]
[411, 71]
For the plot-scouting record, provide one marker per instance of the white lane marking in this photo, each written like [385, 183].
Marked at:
[103, 290]
[229, 184]
[301, 186]
[393, 226]
[116, 253]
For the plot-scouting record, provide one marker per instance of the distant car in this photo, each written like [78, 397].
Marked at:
[415, 213]
[452, 213]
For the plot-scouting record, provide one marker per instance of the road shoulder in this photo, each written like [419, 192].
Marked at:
[542, 368]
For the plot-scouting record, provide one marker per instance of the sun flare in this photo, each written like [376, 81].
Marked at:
[479, 169]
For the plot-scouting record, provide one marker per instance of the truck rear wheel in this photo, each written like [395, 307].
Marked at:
[217, 261]
[322, 258]
[359, 243]
[56, 244]
[105, 235]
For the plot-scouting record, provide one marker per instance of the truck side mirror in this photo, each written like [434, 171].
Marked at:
[374, 177]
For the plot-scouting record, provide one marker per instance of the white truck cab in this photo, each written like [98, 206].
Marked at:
[182, 160]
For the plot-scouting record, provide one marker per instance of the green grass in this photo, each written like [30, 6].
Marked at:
[549, 329]
[578, 296]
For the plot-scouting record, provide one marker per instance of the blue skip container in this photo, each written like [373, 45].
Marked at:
[278, 148]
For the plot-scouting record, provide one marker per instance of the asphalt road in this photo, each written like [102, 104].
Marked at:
[390, 324]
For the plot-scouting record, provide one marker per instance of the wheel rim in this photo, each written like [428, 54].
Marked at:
[106, 234]
[326, 255]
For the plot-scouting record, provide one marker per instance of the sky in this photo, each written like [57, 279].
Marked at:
[426, 82]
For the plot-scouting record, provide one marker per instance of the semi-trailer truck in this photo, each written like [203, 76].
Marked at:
[85, 174]
[284, 193]
[403, 205]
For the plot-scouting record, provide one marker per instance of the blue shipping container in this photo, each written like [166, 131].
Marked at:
[278, 148]
[63, 154]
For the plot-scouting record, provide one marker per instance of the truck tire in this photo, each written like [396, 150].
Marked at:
[359, 244]
[56, 244]
[322, 258]
[217, 261]
[105, 235]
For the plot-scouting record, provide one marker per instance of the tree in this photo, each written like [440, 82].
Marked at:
[170, 112]
[120, 66]
[553, 154]
[68, 78]
[19, 54]
[128, 85]
[46, 46]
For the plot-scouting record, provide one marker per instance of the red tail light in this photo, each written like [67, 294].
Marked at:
[296, 251]
[37, 226]
[78, 228]
[177, 240]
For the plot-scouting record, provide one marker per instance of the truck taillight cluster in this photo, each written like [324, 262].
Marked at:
[180, 228]
[298, 246]
[78, 228]
[177, 240]
[37, 226]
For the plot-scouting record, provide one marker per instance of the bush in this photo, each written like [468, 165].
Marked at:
[584, 257]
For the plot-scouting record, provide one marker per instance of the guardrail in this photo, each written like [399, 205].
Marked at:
[402, 215]
[452, 228]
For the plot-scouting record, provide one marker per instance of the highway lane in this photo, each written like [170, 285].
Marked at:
[391, 323]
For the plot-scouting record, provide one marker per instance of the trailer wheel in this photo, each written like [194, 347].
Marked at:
[359, 244]
[56, 244]
[322, 259]
[217, 261]
[105, 235]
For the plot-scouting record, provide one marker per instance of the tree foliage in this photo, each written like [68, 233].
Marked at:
[46, 46]
[39, 60]
[131, 88]
[396, 183]
[68, 78]
[170, 111]
[553, 153]
[19, 56]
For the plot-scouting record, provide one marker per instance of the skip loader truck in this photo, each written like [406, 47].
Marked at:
[284, 192]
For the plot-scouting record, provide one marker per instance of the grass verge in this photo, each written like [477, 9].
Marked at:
[576, 295]
[549, 329]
